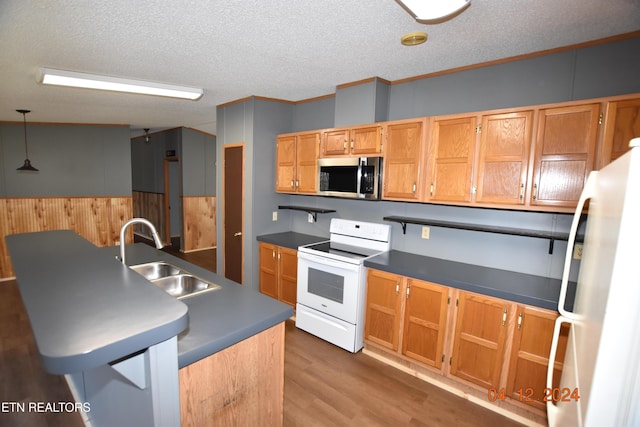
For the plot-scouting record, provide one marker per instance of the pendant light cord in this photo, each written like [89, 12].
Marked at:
[26, 146]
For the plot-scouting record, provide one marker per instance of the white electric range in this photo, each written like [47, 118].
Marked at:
[332, 281]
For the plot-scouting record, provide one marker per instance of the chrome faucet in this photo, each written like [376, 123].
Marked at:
[154, 234]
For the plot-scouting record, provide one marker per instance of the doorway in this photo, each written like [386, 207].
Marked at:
[233, 220]
[172, 203]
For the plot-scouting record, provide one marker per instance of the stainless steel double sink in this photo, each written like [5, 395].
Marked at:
[174, 280]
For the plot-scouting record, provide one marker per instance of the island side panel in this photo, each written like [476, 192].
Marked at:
[240, 385]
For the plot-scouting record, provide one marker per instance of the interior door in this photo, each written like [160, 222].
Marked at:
[233, 185]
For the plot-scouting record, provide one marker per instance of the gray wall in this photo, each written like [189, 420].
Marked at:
[595, 71]
[198, 162]
[73, 160]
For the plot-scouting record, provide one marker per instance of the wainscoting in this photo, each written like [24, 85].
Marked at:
[97, 219]
[199, 222]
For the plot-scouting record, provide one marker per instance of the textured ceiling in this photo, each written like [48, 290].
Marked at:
[285, 49]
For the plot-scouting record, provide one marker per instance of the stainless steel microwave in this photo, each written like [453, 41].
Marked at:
[356, 177]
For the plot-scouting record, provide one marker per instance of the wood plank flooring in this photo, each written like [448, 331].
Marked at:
[324, 385]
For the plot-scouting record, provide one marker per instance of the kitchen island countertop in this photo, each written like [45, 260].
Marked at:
[87, 309]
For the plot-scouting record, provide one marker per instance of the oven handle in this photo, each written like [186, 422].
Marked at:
[310, 258]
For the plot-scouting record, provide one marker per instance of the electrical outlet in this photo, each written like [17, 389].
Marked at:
[310, 218]
[274, 216]
[577, 251]
[425, 232]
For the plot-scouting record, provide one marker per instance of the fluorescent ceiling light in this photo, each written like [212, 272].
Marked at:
[433, 10]
[49, 76]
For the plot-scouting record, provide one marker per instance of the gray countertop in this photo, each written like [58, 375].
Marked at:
[290, 239]
[87, 309]
[513, 286]
[217, 319]
[518, 287]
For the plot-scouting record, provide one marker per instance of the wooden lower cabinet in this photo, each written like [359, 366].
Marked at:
[417, 309]
[485, 343]
[424, 322]
[383, 308]
[242, 385]
[530, 355]
[479, 339]
[279, 272]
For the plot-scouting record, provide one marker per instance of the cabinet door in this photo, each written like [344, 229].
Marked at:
[308, 146]
[288, 275]
[453, 150]
[268, 269]
[530, 355]
[565, 151]
[285, 164]
[424, 322]
[479, 339]
[335, 143]
[622, 124]
[402, 160]
[505, 144]
[366, 140]
[383, 308]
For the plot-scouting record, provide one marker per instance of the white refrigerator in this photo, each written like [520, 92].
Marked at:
[600, 381]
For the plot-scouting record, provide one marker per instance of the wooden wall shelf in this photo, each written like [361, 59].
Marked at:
[311, 211]
[552, 236]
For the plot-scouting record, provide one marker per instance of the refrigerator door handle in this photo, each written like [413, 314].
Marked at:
[552, 410]
[587, 193]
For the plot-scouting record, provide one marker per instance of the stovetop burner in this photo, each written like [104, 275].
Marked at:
[340, 249]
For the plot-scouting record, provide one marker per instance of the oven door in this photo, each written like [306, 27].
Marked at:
[329, 286]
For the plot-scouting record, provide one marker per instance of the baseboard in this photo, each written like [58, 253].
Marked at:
[458, 389]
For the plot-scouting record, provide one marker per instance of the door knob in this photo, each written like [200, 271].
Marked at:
[239, 233]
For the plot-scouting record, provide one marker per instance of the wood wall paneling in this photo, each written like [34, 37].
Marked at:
[150, 206]
[97, 219]
[199, 222]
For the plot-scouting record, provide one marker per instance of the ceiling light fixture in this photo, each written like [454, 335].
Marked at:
[27, 163]
[50, 76]
[434, 11]
[413, 39]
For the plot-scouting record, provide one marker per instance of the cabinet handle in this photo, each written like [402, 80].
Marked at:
[408, 289]
[433, 186]
[397, 288]
[297, 183]
[352, 144]
[519, 320]
[521, 191]
[278, 256]
[292, 184]
[535, 191]
[415, 187]
[504, 317]
[344, 144]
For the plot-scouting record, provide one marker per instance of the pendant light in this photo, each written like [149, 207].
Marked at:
[27, 163]
[147, 137]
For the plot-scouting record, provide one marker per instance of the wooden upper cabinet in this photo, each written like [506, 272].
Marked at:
[565, 150]
[505, 144]
[364, 140]
[335, 143]
[453, 147]
[383, 308]
[403, 157]
[531, 346]
[307, 162]
[425, 322]
[297, 163]
[479, 339]
[622, 124]
[285, 164]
